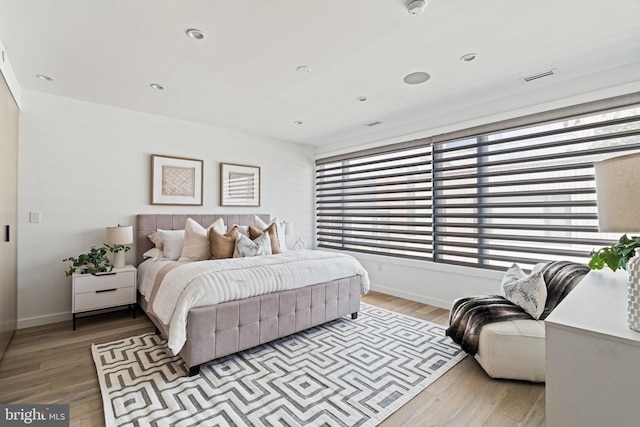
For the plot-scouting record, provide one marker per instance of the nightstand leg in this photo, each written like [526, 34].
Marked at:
[132, 307]
[74, 321]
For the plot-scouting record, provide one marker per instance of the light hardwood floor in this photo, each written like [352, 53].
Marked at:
[53, 364]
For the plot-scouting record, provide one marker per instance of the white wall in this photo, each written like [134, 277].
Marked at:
[87, 166]
[428, 282]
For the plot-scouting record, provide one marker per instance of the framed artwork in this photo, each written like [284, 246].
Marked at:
[239, 185]
[176, 181]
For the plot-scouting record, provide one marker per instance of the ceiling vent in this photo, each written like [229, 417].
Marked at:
[539, 76]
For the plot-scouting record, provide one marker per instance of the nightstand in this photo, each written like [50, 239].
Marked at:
[105, 290]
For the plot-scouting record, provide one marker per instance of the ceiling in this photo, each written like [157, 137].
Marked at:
[243, 74]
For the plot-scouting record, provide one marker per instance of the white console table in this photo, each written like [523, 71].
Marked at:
[592, 356]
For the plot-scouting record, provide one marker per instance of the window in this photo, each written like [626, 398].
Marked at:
[377, 203]
[486, 197]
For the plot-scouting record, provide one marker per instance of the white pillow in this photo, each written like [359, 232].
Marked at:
[242, 229]
[172, 241]
[259, 223]
[528, 292]
[154, 253]
[196, 240]
[245, 247]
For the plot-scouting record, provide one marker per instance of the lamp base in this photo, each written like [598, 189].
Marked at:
[118, 259]
[633, 276]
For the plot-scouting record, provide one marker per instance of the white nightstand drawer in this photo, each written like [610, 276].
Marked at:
[104, 298]
[89, 283]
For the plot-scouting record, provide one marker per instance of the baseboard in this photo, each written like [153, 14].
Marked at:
[63, 317]
[411, 296]
[43, 320]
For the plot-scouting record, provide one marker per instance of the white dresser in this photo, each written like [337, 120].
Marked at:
[593, 357]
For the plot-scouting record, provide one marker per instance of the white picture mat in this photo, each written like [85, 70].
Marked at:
[239, 185]
[176, 175]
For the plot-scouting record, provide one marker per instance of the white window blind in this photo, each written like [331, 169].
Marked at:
[526, 195]
[518, 191]
[377, 203]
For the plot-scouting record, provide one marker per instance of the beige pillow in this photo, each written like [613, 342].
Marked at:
[257, 222]
[254, 233]
[156, 239]
[222, 245]
[196, 240]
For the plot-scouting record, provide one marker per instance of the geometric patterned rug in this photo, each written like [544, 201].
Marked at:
[343, 373]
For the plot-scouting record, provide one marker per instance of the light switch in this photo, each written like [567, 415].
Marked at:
[35, 217]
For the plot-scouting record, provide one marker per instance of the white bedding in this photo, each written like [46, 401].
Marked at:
[201, 283]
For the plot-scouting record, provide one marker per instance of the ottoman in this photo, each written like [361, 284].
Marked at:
[513, 349]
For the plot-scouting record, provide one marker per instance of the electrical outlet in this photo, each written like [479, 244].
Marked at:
[35, 217]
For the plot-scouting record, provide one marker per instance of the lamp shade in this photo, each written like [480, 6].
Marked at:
[120, 235]
[288, 228]
[618, 193]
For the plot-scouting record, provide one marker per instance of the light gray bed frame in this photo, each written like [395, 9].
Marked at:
[222, 329]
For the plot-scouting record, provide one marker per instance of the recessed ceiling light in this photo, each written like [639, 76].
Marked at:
[303, 69]
[43, 77]
[195, 34]
[157, 86]
[468, 57]
[297, 122]
[416, 7]
[416, 78]
[361, 98]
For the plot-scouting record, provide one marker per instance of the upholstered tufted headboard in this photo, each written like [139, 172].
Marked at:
[148, 223]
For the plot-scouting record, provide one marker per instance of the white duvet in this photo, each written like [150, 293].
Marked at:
[201, 283]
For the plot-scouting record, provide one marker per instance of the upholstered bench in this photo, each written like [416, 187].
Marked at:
[502, 332]
[513, 349]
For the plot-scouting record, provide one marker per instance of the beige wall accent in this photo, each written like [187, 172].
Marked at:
[8, 214]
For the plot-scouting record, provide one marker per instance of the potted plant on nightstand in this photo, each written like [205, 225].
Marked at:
[615, 256]
[93, 262]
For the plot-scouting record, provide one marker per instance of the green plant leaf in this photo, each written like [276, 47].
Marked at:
[615, 256]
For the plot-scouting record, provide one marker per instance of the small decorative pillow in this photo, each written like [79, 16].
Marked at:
[154, 253]
[222, 245]
[172, 241]
[245, 247]
[196, 240]
[254, 233]
[257, 222]
[528, 292]
[156, 240]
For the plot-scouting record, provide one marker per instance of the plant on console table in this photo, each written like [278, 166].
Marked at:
[615, 256]
[93, 262]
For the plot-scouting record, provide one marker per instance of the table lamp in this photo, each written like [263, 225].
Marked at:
[618, 194]
[117, 239]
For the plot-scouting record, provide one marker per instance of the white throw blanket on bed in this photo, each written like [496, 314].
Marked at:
[202, 283]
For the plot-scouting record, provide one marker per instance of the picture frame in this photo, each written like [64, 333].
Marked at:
[239, 185]
[176, 180]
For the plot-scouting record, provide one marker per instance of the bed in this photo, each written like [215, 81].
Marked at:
[208, 330]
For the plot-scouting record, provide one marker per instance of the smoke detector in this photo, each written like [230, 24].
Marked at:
[416, 7]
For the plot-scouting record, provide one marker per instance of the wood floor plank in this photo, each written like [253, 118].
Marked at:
[53, 364]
